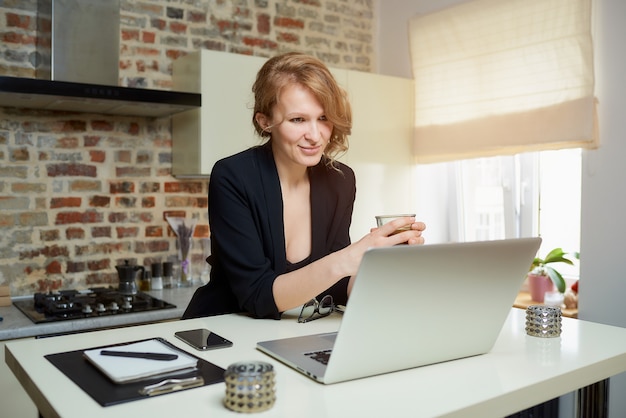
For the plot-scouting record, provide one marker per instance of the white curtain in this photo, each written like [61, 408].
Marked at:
[496, 77]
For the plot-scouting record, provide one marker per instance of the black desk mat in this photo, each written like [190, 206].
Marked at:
[104, 391]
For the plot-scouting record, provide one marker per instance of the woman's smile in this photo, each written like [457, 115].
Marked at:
[311, 150]
[299, 128]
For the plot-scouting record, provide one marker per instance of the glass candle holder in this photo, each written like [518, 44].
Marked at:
[250, 386]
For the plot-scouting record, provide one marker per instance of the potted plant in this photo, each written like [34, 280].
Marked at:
[542, 278]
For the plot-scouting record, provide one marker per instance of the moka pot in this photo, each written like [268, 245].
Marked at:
[127, 275]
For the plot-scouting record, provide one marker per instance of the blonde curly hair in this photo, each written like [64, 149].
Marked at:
[310, 72]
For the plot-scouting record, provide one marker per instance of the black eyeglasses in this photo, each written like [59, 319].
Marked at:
[313, 309]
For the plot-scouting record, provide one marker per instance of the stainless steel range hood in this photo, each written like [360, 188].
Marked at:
[77, 66]
[32, 93]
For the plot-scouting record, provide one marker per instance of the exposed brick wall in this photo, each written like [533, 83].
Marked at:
[339, 32]
[79, 193]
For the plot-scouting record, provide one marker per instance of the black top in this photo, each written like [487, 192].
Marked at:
[247, 232]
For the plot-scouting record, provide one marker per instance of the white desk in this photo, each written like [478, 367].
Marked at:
[519, 372]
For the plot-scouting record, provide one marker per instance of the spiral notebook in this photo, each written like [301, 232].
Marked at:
[128, 369]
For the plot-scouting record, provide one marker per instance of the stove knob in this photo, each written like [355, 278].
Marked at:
[100, 307]
[87, 309]
[127, 305]
[114, 306]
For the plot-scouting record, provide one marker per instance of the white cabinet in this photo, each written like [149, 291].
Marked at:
[223, 124]
[380, 150]
[380, 144]
[14, 401]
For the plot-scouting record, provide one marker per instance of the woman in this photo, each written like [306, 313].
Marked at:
[280, 213]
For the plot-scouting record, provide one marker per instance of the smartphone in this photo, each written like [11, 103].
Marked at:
[203, 339]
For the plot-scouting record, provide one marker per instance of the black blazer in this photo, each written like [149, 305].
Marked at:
[247, 231]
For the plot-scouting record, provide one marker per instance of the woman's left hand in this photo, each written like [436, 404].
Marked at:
[404, 230]
[419, 239]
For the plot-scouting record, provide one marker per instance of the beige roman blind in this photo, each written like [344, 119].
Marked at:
[496, 77]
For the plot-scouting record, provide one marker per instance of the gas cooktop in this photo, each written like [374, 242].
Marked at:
[91, 303]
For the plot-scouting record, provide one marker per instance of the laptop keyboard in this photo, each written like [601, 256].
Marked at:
[321, 356]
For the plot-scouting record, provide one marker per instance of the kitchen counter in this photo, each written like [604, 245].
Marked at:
[518, 372]
[16, 325]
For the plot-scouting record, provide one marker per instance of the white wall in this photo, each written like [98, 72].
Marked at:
[392, 36]
[603, 229]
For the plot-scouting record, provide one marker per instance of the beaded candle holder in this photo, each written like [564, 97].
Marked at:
[543, 321]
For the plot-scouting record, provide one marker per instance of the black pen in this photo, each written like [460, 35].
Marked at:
[135, 354]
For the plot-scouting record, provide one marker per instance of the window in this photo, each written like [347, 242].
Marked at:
[531, 194]
[503, 77]
[504, 102]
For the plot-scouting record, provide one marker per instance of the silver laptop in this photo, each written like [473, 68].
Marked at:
[413, 306]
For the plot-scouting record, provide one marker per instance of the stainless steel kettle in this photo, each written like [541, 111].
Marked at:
[127, 275]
